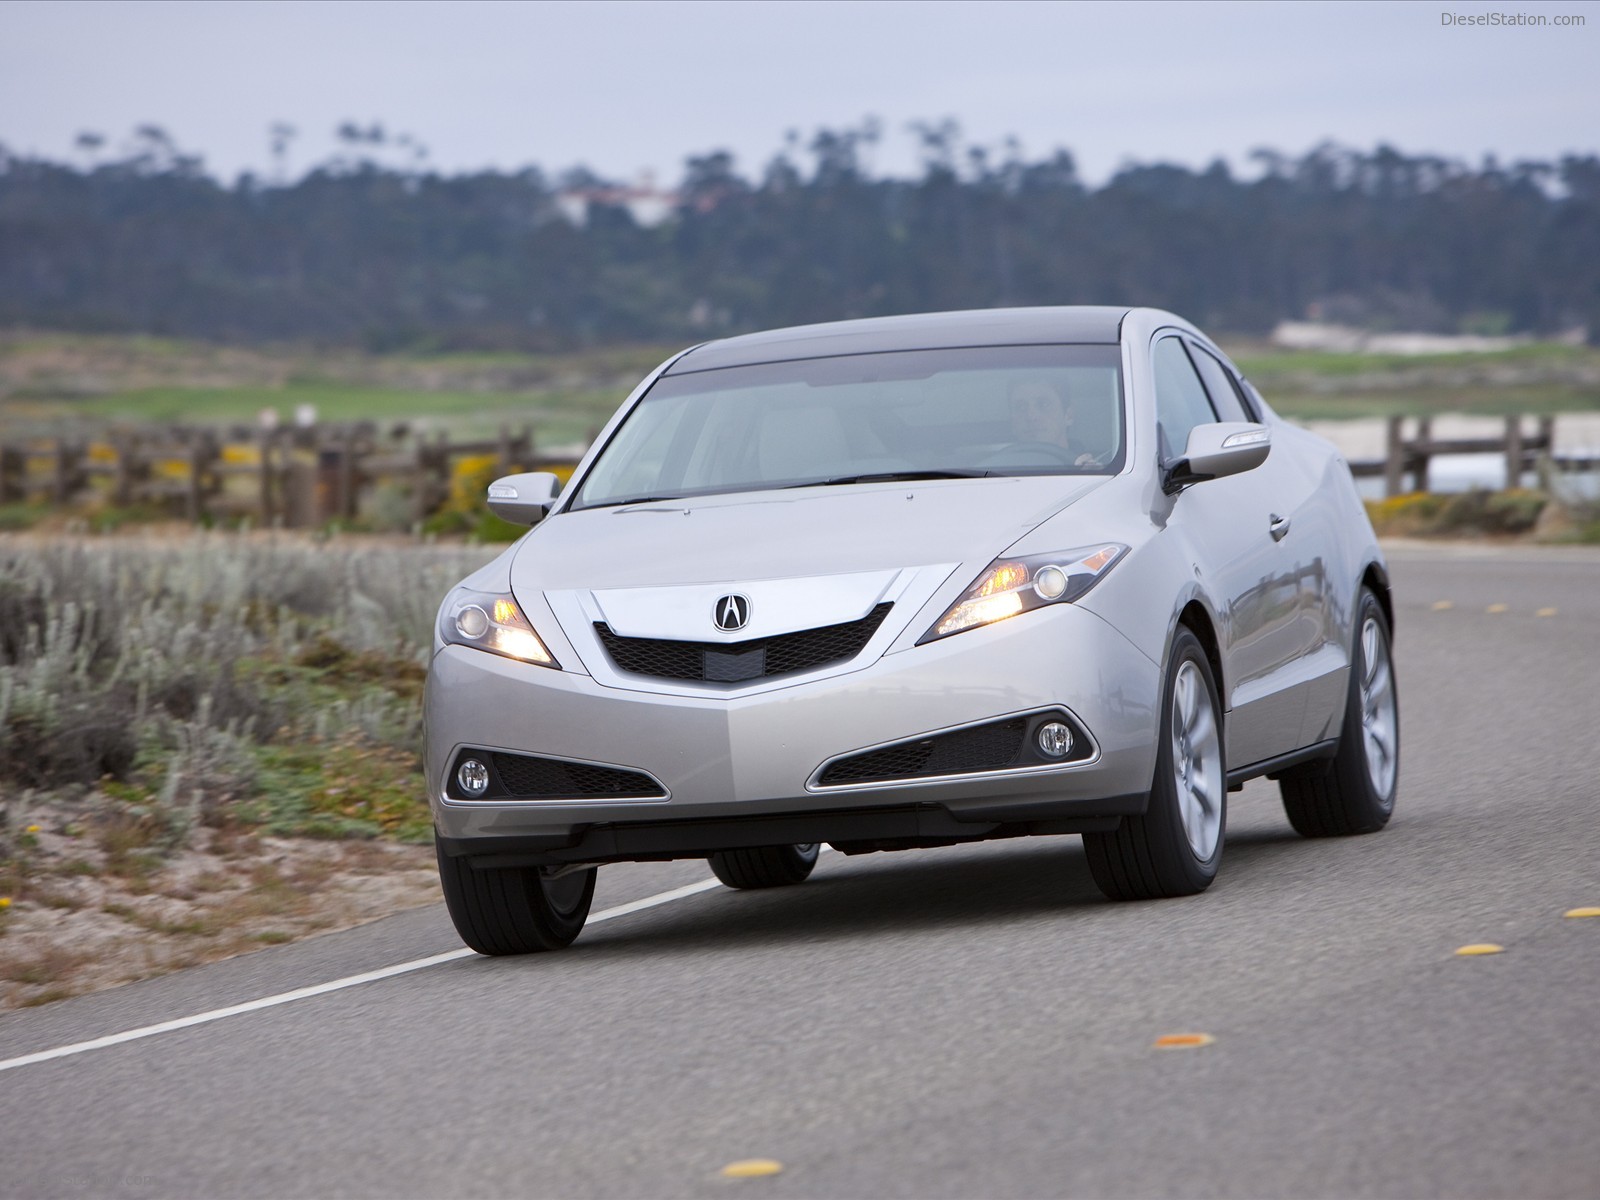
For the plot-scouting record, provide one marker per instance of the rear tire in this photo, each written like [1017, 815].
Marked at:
[1354, 791]
[764, 866]
[514, 910]
[1175, 847]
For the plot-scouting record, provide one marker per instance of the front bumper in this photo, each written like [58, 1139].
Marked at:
[743, 769]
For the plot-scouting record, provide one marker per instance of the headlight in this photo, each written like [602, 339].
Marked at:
[492, 622]
[1009, 586]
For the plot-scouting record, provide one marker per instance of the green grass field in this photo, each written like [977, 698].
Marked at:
[1549, 356]
[1542, 377]
[51, 383]
[558, 415]
[1485, 400]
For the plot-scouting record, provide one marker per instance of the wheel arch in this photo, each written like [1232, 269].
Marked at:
[1197, 620]
[1376, 578]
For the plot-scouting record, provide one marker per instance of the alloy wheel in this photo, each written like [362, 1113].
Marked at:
[1197, 761]
[1379, 714]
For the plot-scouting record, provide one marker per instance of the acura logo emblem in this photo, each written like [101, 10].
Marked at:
[731, 613]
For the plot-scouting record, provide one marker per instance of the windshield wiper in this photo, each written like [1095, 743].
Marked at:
[892, 477]
[633, 500]
[868, 477]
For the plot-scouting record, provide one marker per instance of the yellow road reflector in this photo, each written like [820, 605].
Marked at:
[1582, 912]
[1183, 1041]
[1443, 605]
[1479, 948]
[1545, 612]
[1497, 608]
[751, 1168]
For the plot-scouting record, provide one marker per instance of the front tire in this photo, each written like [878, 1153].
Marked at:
[1354, 792]
[1175, 847]
[514, 910]
[764, 866]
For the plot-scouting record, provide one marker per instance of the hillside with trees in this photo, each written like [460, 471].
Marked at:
[378, 252]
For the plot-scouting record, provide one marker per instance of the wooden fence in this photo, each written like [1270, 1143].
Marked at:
[1413, 456]
[296, 477]
[305, 476]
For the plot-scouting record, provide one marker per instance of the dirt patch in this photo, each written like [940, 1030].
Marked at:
[87, 919]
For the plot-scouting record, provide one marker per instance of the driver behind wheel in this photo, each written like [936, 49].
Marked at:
[1039, 413]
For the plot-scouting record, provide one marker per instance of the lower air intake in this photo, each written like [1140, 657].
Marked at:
[991, 747]
[526, 777]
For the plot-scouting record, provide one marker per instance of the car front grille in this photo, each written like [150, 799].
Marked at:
[990, 747]
[527, 777]
[717, 662]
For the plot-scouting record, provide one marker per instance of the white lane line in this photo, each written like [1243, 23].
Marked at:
[349, 981]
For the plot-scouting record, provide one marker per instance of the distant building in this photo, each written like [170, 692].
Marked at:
[647, 204]
[1315, 335]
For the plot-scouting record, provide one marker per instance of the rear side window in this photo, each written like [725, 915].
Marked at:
[1257, 404]
[1181, 401]
[1224, 396]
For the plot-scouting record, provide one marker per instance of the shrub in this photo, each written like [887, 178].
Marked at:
[1422, 514]
[189, 680]
[467, 510]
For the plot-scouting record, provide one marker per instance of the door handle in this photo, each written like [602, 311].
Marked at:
[1277, 526]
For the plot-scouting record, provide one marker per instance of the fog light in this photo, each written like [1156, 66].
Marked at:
[1055, 739]
[1051, 584]
[472, 621]
[473, 777]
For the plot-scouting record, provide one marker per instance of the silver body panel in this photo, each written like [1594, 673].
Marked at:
[756, 752]
[1273, 556]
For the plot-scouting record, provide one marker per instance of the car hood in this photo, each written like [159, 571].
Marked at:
[787, 534]
[803, 558]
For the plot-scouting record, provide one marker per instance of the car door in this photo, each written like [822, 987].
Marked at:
[1294, 482]
[1246, 555]
[1305, 471]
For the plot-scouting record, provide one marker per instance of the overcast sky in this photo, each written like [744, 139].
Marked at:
[622, 87]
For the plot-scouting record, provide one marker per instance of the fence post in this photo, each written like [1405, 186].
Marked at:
[419, 485]
[1514, 452]
[264, 442]
[69, 470]
[201, 452]
[299, 491]
[346, 492]
[441, 464]
[1421, 455]
[1394, 462]
[432, 475]
[13, 474]
[122, 445]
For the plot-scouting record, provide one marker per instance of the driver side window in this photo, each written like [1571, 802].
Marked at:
[1181, 400]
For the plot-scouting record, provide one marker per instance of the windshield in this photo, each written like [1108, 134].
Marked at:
[993, 410]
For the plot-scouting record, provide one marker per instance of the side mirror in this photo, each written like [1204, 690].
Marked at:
[1226, 448]
[523, 499]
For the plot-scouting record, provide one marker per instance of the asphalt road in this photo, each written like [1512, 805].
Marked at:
[962, 1022]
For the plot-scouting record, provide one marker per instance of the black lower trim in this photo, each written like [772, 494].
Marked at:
[852, 830]
[1270, 767]
[973, 749]
[536, 777]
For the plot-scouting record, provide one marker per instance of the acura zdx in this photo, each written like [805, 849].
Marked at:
[911, 582]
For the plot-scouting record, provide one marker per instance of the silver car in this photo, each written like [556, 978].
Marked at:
[910, 582]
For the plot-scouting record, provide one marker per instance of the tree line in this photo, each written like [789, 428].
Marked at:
[387, 254]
